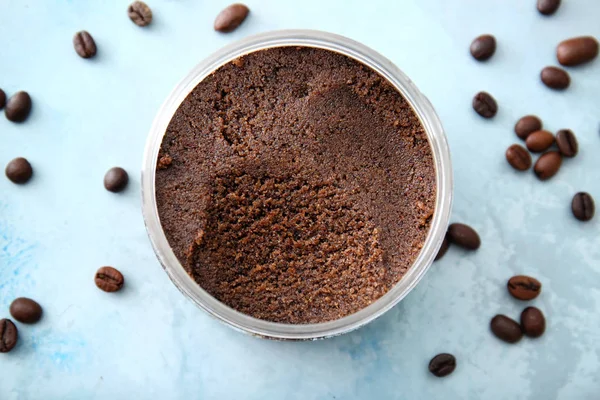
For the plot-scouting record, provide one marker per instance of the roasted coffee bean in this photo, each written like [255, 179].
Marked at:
[26, 310]
[443, 249]
[19, 170]
[577, 50]
[116, 179]
[518, 157]
[524, 287]
[548, 7]
[533, 323]
[231, 17]
[109, 279]
[539, 141]
[442, 365]
[464, 236]
[18, 107]
[139, 13]
[2, 99]
[84, 44]
[483, 47]
[527, 125]
[547, 165]
[8, 335]
[567, 143]
[485, 105]
[506, 329]
[555, 78]
[583, 206]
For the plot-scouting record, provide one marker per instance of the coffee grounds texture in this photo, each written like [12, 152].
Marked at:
[295, 185]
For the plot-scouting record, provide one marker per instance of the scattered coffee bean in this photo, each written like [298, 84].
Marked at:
[139, 13]
[109, 279]
[19, 170]
[506, 329]
[567, 143]
[577, 51]
[18, 107]
[231, 17]
[2, 99]
[533, 323]
[116, 179]
[527, 125]
[483, 47]
[464, 236]
[8, 335]
[485, 105]
[555, 78]
[547, 165]
[583, 206]
[539, 141]
[442, 365]
[524, 287]
[443, 249]
[84, 44]
[25, 310]
[548, 7]
[518, 157]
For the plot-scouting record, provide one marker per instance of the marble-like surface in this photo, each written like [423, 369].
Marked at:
[149, 342]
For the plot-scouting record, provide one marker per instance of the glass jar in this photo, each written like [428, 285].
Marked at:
[443, 171]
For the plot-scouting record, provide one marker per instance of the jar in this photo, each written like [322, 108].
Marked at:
[443, 172]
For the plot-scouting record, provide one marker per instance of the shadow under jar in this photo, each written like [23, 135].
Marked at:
[296, 185]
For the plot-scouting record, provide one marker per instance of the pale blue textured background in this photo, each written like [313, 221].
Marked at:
[149, 342]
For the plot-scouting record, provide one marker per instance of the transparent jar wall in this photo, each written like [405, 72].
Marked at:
[422, 108]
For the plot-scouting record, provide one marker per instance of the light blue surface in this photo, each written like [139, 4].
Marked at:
[149, 342]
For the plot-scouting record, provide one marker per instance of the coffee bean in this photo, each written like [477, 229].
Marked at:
[547, 165]
[555, 78]
[18, 107]
[548, 7]
[8, 335]
[577, 50]
[231, 17]
[524, 287]
[485, 105]
[506, 329]
[25, 310]
[84, 44]
[583, 206]
[518, 157]
[2, 99]
[442, 365]
[539, 141]
[140, 13]
[116, 179]
[443, 249]
[19, 170]
[567, 143]
[483, 47]
[533, 323]
[109, 279]
[464, 236]
[527, 125]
